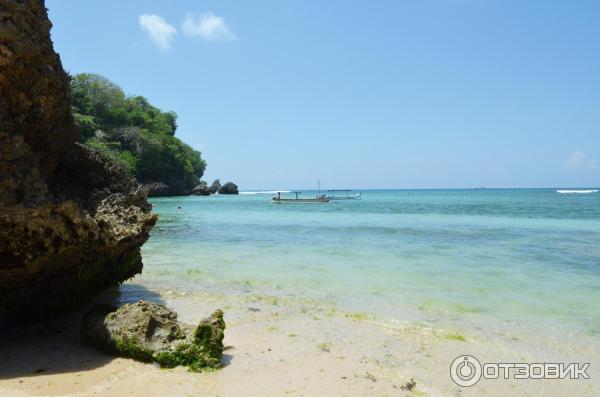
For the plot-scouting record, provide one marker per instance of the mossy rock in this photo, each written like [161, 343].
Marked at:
[150, 332]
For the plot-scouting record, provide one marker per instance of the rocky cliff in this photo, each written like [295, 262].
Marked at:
[71, 223]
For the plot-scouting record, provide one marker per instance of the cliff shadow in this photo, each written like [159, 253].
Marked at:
[55, 346]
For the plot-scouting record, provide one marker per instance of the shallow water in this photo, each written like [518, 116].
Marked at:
[460, 258]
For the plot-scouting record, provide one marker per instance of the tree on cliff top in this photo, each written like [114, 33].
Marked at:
[136, 134]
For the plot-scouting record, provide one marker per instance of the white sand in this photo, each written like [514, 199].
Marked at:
[286, 348]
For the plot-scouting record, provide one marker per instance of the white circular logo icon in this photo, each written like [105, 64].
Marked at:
[465, 370]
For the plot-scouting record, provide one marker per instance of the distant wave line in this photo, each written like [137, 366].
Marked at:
[577, 191]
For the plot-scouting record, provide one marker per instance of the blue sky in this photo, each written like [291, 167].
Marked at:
[359, 94]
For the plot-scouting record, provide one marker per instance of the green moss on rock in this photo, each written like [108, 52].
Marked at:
[149, 332]
[132, 349]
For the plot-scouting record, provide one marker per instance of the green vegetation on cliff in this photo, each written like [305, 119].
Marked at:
[134, 133]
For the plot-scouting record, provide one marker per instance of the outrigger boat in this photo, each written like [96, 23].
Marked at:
[320, 198]
[343, 194]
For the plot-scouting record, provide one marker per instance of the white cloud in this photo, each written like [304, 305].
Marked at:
[159, 31]
[207, 26]
[579, 160]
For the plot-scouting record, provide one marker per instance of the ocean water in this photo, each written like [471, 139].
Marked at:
[470, 258]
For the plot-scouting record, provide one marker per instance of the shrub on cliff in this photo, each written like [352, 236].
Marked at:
[136, 134]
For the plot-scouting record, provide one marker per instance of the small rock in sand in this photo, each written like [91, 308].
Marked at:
[148, 331]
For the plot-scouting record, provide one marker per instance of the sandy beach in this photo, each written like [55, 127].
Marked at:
[278, 347]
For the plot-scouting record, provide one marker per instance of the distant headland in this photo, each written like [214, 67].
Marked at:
[138, 137]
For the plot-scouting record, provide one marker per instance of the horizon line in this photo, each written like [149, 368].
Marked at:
[423, 188]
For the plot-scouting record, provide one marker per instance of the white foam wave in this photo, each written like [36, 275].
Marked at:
[267, 192]
[577, 191]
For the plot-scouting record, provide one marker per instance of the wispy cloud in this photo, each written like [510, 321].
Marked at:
[579, 160]
[207, 26]
[159, 31]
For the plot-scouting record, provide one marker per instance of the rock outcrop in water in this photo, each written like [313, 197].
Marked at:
[149, 332]
[204, 190]
[229, 188]
[215, 187]
[71, 223]
[201, 189]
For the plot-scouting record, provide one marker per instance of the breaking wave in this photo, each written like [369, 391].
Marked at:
[577, 191]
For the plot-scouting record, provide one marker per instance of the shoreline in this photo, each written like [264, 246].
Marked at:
[283, 347]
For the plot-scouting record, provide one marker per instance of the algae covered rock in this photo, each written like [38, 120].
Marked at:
[148, 332]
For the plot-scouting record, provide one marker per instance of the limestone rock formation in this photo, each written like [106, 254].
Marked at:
[229, 188]
[215, 187]
[204, 190]
[71, 223]
[148, 332]
[201, 189]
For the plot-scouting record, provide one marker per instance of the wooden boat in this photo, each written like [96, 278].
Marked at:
[319, 199]
[343, 194]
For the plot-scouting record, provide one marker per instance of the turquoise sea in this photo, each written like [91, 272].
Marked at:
[529, 257]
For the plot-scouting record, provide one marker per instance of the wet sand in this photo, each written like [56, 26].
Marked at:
[286, 347]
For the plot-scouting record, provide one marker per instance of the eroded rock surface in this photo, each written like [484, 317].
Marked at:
[148, 332]
[71, 223]
[201, 190]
